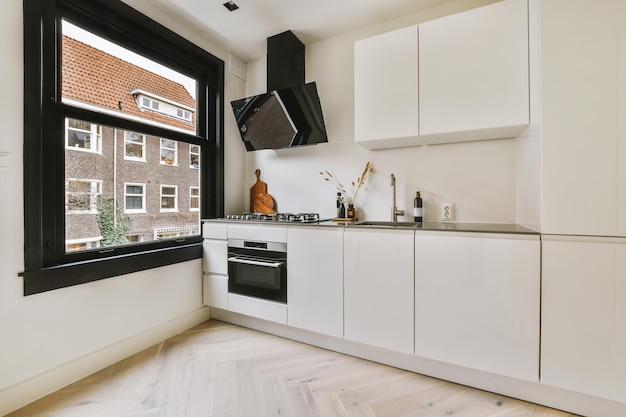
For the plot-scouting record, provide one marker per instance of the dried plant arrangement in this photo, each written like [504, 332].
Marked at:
[349, 198]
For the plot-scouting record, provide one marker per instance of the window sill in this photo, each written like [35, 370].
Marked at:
[68, 275]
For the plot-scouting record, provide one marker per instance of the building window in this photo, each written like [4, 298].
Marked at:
[169, 198]
[194, 198]
[175, 232]
[134, 146]
[82, 244]
[82, 136]
[169, 152]
[194, 156]
[91, 114]
[82, 195]
[134, 198]
[163, 105]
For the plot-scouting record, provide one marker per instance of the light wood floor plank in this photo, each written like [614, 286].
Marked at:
[221, 370]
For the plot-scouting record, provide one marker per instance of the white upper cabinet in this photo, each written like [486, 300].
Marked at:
[465, 79]
[583, 113]
[385, 90]
[473, 74]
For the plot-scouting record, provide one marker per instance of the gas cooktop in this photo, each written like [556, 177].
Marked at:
[277, 217]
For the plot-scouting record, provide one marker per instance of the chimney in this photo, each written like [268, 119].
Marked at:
[285, 61]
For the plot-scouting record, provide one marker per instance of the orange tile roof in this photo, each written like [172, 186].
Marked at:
[94, 77]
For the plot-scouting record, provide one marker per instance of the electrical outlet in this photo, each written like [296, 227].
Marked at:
[447, 211]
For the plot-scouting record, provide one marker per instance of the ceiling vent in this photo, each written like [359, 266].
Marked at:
[238, 67]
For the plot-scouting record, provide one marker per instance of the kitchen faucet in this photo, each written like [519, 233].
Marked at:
[394, 209]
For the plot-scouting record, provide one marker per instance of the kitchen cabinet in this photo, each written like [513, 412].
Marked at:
[462, 77]
[583, 106]
[583, 331]
[215, 264]
[477, 301]
[473, 74]
[386, 90]
[378, 288]
[315, 279]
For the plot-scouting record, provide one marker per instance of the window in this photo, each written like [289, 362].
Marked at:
[83, 136]
[162, 105]
[169, 152]
[82, 244]
[91, 212]
[194, 156]
[134, 145]
[169, 198]
[82, 195]
[134, 198]
[194, 198]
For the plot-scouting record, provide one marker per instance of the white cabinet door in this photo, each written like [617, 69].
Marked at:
[215, 256]
[473, 74]
[477, 301]
[315, 279]
[378, 288]
[583, 325]
[215, 290]
[583, 106]
[386, 90]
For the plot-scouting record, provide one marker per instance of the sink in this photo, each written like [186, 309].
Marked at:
[386, 224]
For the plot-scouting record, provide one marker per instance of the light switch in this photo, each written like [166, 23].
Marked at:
[4, 160]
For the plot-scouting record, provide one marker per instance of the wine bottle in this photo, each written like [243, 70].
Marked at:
[417, 208]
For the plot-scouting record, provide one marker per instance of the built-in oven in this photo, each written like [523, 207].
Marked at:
[258, 269]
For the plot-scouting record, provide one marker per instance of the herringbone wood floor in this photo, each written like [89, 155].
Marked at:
[221, 370]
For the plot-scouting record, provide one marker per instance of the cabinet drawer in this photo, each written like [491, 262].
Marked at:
[215, 290]
[214, 230]
[215, 256]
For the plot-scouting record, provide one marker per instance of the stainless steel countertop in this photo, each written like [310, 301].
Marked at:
[510, 228]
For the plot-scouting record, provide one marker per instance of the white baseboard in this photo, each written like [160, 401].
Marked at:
[25, 392]
[536, 392]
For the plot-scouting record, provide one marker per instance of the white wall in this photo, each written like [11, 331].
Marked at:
[50, 339]
[480, 178]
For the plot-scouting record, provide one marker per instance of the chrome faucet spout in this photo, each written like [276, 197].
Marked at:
[394, 208]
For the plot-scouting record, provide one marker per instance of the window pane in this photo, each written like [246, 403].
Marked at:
[115, 200]
[101, 75]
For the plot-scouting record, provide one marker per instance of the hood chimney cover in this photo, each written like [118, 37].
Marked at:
[285, 61]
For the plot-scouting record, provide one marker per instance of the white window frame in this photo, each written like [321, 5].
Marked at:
[143, 197]
[192, 197]
[95, 132]
[175, 195]
[130, 141]
[174, 149]
[95, 189]
[192, 152]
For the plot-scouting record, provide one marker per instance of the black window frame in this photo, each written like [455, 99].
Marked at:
[47, 265]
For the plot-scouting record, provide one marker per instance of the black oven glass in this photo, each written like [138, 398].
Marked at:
[258, 273]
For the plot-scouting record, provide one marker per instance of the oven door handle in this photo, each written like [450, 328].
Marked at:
[254, 262]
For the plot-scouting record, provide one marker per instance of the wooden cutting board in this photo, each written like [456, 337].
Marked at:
[260, 200]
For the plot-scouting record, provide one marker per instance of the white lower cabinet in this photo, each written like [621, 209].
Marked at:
[215, 290]
[378, 288]
[477, 301]
[583, 331]
[315, 274]
[215, 265]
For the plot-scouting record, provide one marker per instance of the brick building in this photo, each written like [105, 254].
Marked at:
[154, 181]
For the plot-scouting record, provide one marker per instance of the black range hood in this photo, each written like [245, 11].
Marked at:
[289, 114]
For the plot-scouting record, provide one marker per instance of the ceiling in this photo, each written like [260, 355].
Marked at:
[245, 30]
